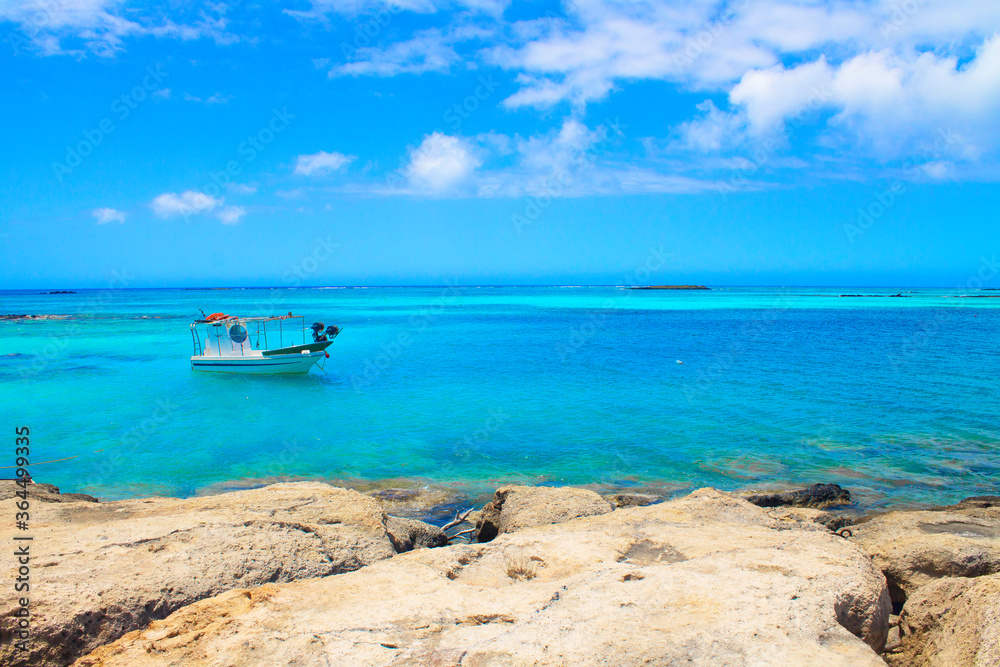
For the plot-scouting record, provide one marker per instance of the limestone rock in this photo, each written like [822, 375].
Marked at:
[914, 548]
[414, 500]
[409, 534]
[707, 579]
[976, 502]
[818, 496]
[99, 570]
[632, 499]
[46, 493]
[829, 520]
[952, 621]
[517, 507]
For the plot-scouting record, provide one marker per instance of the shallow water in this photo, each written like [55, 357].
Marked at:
[897, 399]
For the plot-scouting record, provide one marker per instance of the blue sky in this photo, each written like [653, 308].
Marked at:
[481, 141]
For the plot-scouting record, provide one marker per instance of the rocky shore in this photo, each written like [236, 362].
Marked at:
[306, 573]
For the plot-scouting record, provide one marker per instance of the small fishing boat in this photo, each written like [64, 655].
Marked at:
[261, 345]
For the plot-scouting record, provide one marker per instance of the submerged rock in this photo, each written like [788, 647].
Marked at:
[819, 496]
[23, 316]
[46, 493]
[829, 520]
[632, 499]
[409, 534]
[707, 579]
[101, 570]
[975, 502]
[517, 507]
[414, 500]
[915, 548]
[952, 621]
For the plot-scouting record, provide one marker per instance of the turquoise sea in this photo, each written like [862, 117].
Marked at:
[895, 398]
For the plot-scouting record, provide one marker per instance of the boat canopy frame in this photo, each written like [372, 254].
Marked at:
[259, 332]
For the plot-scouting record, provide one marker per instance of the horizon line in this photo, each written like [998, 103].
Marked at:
[478, 285]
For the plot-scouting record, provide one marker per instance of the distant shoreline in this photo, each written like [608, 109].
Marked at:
[676, 287]
[62, 291]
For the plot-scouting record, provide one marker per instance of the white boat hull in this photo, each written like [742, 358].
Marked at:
[259, 365]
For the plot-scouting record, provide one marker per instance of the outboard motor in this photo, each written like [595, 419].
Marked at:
[332, 331]
[317, 329]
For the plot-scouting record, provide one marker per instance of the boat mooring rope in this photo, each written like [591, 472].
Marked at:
[41, 462]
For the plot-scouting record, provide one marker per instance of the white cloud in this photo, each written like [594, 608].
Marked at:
[217, 98]
[559, 149]
[714, 131]
[172, 205]
[95, 22]
[571, 160]
[938, 170]
[320, 8]
[106, 215]
[707, 45]
[385, 8]
[230, 215]
[868, 77]
[321, 162]
[603, 42]
[788, 27]
[541, 92]
[161, 93]
[74, 27]
[887, 102]
[440, 163]
[426, 51]
[769, 96]
[576, 161]
[242, 188]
